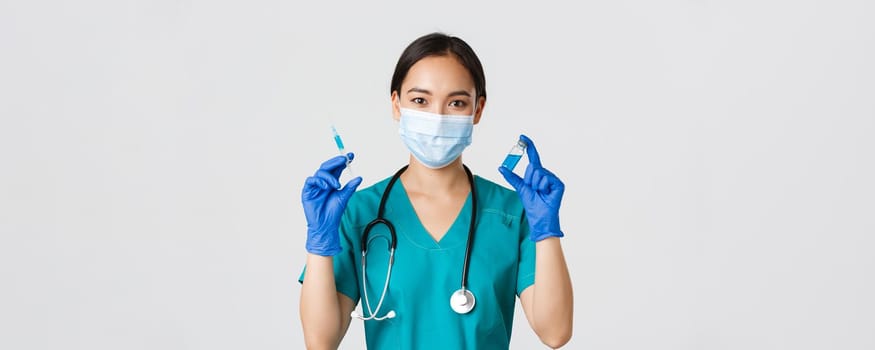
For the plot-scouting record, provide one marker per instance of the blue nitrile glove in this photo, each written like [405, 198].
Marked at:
[324, 202]
[541, 193]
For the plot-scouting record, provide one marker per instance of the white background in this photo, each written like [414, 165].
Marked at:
[718, 157]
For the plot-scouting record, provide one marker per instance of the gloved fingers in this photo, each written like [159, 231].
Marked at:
[544, 184]
[333, 164]
[555, 182]
[531, 151]
[338, 170]
[315, 182]
[350, 187]
[514, 180]
[312, 187]
[329, 178]
[535, 181]
[527, 178]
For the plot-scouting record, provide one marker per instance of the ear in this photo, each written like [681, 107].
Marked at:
[396, 102]
[481, 102]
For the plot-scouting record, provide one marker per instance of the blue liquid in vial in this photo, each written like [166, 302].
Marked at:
[511, 161]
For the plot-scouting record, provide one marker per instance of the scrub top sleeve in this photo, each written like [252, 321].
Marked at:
[345, 277]
[526, 270]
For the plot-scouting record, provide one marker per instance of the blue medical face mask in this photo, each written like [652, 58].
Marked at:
[436, 140]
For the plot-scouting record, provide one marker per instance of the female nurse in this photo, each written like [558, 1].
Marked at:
[451, 228]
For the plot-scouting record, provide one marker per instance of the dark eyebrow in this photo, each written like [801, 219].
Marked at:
[459, 93]
[416, 89]
[454, 93]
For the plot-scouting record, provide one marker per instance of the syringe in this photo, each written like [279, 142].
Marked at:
[341, 149]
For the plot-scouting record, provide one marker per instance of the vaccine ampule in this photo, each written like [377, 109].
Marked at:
[514, 155]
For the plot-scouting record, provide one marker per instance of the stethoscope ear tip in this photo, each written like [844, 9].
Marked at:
[390, 314]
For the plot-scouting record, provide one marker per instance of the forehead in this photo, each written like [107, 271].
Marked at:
[438, 73]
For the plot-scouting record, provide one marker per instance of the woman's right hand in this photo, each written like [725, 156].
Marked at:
[324, 202]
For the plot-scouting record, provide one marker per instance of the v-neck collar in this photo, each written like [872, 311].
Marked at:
[415, 232]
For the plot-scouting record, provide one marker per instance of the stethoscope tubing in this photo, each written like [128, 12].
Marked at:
[381, 220]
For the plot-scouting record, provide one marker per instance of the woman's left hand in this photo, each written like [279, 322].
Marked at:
[541, 193]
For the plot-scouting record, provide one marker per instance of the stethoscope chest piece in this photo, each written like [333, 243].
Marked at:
[462, 301]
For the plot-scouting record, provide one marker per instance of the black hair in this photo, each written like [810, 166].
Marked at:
[439, 44]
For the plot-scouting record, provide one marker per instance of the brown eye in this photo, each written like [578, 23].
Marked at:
[418, 100]
[458, 104]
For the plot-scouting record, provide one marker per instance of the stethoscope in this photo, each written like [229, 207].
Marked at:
[461, 301]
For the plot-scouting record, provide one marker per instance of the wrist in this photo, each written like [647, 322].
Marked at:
[540, 236]
[544, 228]
[325, 250]
[323, 242]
